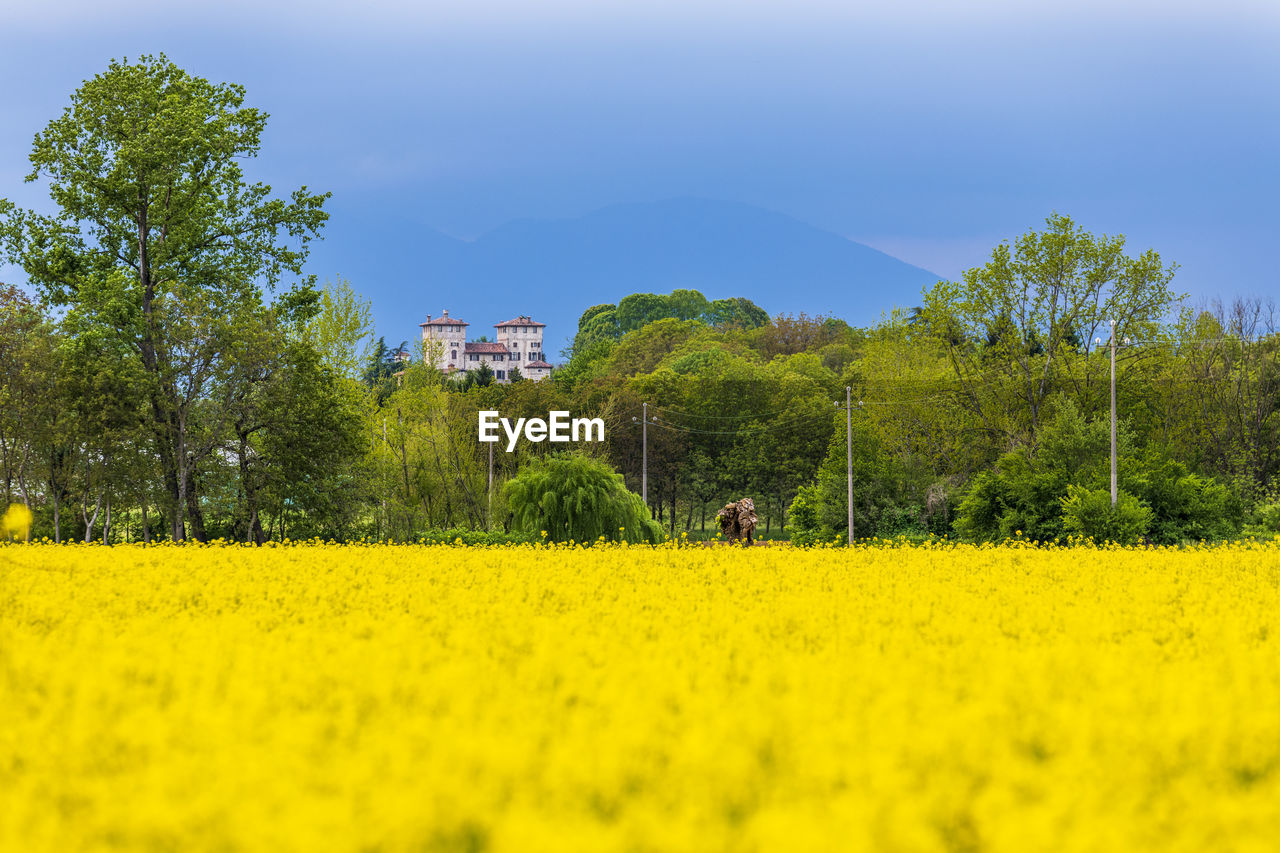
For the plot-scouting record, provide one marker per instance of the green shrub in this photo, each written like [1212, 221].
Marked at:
[1088, 513]
[574, 497]
[474, 537]
[802, 517]
[1022, 496]
[1186, 507]
[1268, 516]
[891, 495]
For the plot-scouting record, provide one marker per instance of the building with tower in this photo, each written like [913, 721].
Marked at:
[517, 344]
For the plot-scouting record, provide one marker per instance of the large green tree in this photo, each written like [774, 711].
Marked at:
[1015, 327]
[155, 224]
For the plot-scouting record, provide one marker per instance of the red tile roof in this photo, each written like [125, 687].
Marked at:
[538, 364]
[483, 347]
[444, 321]
[522, 320]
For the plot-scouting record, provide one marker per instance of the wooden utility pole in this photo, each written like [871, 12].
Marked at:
[848, 425]
[1114, 492]
[385, 520]
[644, 454]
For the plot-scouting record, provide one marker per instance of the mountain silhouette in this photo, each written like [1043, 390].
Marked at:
[553, 269]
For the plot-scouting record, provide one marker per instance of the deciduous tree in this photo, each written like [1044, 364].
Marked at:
[144, 168]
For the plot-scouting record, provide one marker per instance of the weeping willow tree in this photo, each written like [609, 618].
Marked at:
[574, 497]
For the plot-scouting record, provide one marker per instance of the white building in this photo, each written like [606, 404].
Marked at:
[522, 338]
[517, 344]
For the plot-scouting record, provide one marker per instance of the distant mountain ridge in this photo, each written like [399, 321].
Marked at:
[554, 269]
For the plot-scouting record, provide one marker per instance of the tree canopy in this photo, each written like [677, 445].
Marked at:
[576, 498]
[159, 241]
[174, 373]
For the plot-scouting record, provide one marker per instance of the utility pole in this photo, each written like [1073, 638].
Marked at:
[848, 425]
[644, 454]
[1114, 492]
[385, 520]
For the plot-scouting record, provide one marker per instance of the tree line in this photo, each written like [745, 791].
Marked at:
[172, 373]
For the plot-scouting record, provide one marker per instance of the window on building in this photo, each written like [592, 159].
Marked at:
[500, 375]
[475, 357]
[454, 355]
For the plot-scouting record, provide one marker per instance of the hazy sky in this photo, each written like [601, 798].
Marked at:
[928, 130]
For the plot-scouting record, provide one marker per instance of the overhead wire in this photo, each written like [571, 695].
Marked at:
[716, 417]
[773, 426]
[660, 419]
[785, 423]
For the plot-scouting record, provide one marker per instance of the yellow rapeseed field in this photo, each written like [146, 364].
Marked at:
[325, 697]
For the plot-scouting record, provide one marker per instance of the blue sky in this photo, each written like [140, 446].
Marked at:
[929, 130]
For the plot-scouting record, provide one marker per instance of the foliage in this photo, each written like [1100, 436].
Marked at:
[464, 536]
[890, 496]
[1186, 507]
[632, 313]
[381, 367]
[263, 417]
[1013, 327]
[158, 239]
[576, 498]
[1028, 492]
[735, 313]
[1089, 513]
[1022, 496]
[1269, 517]
[342, 330]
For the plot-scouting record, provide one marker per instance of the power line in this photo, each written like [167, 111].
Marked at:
[799, 420]
[1197, 342]
[749, 430]
[719, 417]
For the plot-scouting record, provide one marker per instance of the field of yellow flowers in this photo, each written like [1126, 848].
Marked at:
[944, 697]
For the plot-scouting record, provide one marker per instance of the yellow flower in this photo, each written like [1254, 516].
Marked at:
[16, 523]
[616, 697]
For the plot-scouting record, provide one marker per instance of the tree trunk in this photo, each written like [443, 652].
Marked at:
[180, 496]
[89, 522]
[163, 411]
[252, 523]
[22, 486]
[146, 525]
[57, 520]
[164, 432]
[194, 513]
[673, 506]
